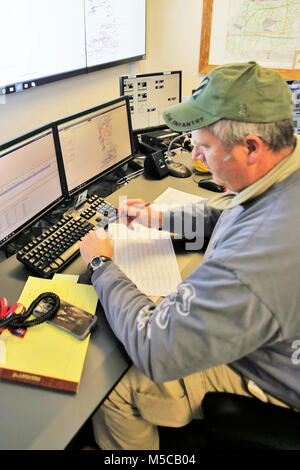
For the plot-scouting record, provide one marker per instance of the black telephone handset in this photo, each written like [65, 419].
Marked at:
[211, 186]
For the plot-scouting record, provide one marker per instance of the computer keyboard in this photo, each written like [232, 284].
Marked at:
[102, 212]
[57, 246]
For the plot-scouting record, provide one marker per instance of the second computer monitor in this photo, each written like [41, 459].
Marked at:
[30, 181]
[95, 142]
[149, 95]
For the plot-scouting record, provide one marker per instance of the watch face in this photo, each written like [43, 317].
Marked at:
[95, 262]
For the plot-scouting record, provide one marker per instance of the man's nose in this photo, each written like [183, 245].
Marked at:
[197, 155]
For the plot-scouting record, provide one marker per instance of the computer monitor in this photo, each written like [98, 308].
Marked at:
[294, 86]
[94, 142]
[149, 95]
[30, 181]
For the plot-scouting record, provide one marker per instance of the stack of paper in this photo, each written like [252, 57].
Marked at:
[147, 257]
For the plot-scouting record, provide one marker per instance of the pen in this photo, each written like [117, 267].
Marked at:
[131, 218]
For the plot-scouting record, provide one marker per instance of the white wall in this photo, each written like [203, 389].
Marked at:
[173, 39]
[173, 43]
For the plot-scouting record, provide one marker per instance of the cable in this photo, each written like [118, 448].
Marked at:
[126, 178]
[19, 321]
[172, 142]
[198, 164]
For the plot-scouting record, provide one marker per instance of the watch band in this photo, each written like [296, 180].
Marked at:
[96, 262]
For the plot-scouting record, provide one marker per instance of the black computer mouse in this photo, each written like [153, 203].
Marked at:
[211, 186]
[178, 170]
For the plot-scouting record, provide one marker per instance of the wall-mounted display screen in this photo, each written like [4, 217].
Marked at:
[53, 39]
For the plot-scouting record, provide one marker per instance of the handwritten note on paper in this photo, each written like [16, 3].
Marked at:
[147, 258]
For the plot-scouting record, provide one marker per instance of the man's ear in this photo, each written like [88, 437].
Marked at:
[254, 147]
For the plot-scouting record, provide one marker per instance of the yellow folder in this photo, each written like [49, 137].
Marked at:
[46, 356]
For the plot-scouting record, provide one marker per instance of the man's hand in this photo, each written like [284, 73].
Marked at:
[137, 210]
[96, 243]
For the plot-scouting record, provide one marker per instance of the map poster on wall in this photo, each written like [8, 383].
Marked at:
[267, 31]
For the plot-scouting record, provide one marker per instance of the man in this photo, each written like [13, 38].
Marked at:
[233, 325]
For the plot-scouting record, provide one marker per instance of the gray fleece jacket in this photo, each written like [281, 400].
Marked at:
[240, 307]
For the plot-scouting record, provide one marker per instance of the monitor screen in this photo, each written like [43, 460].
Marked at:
[53, 39]
[294, 86]
[95, 142]
[30, 183]
[149, 95]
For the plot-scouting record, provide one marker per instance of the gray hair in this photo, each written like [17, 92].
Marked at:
[276, 135]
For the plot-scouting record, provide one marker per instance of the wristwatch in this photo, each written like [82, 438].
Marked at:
[96, 262]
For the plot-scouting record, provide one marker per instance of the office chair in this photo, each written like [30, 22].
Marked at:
[236, 422]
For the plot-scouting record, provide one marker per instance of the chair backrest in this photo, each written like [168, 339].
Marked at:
[240, 421]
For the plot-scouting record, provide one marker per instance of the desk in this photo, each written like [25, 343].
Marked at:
[34, 418]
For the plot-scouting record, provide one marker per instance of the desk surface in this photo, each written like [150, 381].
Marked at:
[36, 418]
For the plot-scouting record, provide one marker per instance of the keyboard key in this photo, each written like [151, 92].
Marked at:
[70, 251]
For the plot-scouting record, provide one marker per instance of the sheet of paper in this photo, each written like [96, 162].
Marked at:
[66, 277]
[173, 197]
[3, 340]
[147, 257]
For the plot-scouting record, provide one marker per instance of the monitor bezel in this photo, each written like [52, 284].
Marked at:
[122, 78]
[15, 141]
[69, 193]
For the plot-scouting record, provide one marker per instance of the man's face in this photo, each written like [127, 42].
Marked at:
[228, 168]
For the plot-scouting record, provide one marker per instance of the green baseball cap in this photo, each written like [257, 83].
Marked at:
[241, 92]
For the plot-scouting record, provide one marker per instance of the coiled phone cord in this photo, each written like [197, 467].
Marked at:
[19, 320]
